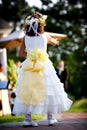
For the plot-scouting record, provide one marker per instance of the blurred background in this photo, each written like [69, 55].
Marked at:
[65, 17]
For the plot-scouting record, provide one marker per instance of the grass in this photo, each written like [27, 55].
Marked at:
[9, 118]
[78, 106]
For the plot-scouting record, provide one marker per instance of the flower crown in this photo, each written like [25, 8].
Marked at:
[40, 20]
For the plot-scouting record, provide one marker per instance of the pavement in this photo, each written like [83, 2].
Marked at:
[66, 121]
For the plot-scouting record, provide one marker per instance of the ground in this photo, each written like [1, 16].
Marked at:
[66, 121]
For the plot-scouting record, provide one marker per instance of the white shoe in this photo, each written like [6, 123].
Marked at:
[27, 123]
[52, 122]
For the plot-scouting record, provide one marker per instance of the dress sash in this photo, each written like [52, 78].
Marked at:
[32, 86]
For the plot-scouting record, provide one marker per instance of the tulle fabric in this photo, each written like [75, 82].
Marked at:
[56, 98]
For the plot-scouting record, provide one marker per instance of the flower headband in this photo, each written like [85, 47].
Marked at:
[40, 20]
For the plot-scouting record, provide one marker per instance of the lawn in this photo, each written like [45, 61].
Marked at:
[78, 106]
[9, 118]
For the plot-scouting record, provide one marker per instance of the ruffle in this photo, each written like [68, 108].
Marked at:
[52, 104]
[56, 98]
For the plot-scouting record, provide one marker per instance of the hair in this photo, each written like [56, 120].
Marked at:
[0, 64]
[41, 25]
[1, 67]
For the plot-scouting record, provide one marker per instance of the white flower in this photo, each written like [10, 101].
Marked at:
[44, 17]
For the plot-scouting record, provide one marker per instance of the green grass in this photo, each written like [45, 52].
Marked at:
[79, 106]
[8, 118]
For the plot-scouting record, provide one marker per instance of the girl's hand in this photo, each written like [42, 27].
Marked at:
[55, 41]
[51, 40]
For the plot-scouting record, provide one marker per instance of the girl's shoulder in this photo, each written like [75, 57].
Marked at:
[41, 35]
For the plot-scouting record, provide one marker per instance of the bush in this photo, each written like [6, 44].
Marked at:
[12, 72]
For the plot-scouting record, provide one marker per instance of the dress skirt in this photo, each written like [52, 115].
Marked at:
[56, 99]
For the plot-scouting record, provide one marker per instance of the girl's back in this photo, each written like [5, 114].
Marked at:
[35, 42]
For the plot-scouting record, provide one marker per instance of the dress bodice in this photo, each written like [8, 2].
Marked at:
[36, 42]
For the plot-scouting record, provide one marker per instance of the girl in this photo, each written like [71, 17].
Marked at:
[39, 89]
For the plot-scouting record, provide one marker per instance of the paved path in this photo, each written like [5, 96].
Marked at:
[69, 121]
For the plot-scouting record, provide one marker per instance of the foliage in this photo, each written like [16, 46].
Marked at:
[12, 11]
[69, 17]
[10, 7]
[12, 72]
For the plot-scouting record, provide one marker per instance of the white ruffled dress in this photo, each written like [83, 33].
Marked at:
[56, 99]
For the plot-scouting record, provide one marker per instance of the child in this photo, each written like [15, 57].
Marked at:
[39, 89]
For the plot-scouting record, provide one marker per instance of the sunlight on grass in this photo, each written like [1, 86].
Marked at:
[4, 119]
[79, 106]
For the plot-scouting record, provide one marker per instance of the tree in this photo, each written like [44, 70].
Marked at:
[14, 11]
[64, 16]
[69, 17]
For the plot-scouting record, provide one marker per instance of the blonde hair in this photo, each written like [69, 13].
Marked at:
[41, 24]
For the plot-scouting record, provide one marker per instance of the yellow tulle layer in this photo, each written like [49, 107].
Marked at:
[33, 78]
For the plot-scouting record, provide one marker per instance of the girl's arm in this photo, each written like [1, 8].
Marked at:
[22, 52]
[51, 40]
